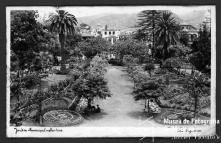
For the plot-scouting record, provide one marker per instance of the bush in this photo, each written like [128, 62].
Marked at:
[130, 47]
[30, 81]
[116, 62]
[98, 66]
[63, 72]
[149, 67]
[160, 71]
[130, 60]
[172, 63]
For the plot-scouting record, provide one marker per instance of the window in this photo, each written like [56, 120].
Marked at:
[105, 33]
[113, 32]
[109, 32]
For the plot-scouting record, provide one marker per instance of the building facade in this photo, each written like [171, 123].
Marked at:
[111, 35]
[191, 32]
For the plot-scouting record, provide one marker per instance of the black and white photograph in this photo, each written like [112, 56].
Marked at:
[111, 71]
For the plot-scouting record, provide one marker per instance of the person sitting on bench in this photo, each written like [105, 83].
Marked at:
[98, 109]
[91, 108]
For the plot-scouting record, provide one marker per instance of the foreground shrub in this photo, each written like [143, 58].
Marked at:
[149, 67]
[98, 66]
[148, 91]
[116, 62]
[31, 81]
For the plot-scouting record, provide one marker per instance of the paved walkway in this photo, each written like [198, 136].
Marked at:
[120, 109]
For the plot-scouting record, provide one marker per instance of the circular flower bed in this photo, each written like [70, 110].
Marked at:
[62, 118]
[173, 116]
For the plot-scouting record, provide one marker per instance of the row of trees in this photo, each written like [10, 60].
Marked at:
[34, 44]
[56, 36]
[163, 31]
[160, 28]
[169, 45]
[85, 84]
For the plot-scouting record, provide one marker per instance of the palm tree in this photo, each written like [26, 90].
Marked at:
[62, 23]
[167, 31]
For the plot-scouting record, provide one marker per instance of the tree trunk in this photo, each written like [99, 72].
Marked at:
[89, 103]
[153, 32]
[165, 51]
[148, 105]
[192, 72]
[74, 103]
[196, 102]
[145, 105]
[18, 98]
[40, 114]
[62, 40]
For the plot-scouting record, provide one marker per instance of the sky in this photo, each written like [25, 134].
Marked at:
[81, 11]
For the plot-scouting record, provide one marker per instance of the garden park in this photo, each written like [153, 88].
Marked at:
[58, 78]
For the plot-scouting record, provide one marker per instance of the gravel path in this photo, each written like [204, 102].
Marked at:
[120, 109]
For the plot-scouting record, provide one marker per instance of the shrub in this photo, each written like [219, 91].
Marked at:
[149, 67]
[63, 72]
[172, 63]
[30, 81]
[115, 62]
[160, 71]
[98, 66]
[130, 47]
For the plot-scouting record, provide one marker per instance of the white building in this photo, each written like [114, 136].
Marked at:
[111, 35]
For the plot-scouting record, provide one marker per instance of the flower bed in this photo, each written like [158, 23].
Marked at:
[62, 118]
[173, 116]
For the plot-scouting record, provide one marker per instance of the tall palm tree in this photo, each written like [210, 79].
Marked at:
[62, 23]
[167, 31]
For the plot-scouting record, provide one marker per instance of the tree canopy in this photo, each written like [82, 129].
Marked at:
[92, 47]
[201, 51]
[131, 47]
[28, 38]
[167, 31]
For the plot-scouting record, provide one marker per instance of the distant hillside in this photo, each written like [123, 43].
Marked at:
[121, 21]
[118, 21]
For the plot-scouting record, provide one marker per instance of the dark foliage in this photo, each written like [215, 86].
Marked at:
[201, 51]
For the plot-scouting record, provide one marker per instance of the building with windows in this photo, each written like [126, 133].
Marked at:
[111, 35]
[191, 32]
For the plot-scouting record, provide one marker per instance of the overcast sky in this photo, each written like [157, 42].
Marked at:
[97, 10]
[86, 11]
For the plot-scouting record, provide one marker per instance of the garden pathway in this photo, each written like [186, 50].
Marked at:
[120, 109]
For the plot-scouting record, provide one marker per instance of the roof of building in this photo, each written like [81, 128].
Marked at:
[110, 30]
[185, 24]
[87, 35]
